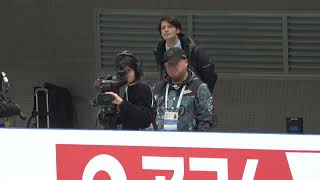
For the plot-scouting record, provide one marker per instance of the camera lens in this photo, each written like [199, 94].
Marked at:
[121, 71]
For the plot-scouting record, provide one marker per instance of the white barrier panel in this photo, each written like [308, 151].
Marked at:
[40, 154]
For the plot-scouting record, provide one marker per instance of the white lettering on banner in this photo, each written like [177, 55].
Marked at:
[219, 165]
[165, 163]
[105, 163]
[304, 165]
[298, 161]
[250, 169]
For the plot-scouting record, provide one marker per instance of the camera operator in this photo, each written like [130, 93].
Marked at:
[135, 111]
[8, 108]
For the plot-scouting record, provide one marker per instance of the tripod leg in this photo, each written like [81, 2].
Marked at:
[29, 120]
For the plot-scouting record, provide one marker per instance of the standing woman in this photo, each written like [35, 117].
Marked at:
[135, 111]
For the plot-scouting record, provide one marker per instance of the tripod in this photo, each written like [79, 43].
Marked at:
[40, 109]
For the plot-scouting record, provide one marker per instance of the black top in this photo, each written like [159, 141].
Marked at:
[198, 60]
[137, 112]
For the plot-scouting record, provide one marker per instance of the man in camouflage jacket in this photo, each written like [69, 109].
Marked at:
[195, 112]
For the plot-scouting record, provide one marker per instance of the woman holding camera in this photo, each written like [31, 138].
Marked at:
[135, 108]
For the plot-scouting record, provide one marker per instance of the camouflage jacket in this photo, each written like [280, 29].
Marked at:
[196, 110]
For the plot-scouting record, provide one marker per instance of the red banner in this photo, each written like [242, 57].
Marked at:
[146, 163]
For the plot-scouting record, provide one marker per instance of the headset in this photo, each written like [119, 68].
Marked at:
[4, 86]
[138, 64]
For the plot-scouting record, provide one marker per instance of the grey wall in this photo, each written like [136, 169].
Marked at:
[257, 104]
[54, 41]
[2, 24]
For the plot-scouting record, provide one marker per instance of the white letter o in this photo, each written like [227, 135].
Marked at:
[105, 163]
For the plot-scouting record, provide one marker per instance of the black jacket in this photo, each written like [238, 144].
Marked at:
[136, 113]
[198, 60]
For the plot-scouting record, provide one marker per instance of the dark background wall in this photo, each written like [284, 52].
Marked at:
[55, 41]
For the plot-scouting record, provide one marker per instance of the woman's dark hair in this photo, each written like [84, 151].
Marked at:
[171, 20]
[126, 58]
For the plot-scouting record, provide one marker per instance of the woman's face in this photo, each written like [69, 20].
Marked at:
[130, 75]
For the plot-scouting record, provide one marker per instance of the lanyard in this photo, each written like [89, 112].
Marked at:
[180, 96]
[126, 91]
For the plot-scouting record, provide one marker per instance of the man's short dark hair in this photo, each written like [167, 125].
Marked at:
[171, 20]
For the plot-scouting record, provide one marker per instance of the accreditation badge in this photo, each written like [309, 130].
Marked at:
[170, 121]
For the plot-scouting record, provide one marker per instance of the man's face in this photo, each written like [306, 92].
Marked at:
[176, 69]
[168, 31]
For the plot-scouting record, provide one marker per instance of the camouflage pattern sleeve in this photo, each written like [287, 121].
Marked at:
[204, 108]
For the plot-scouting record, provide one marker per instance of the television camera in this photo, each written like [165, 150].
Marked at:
[107, 114]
